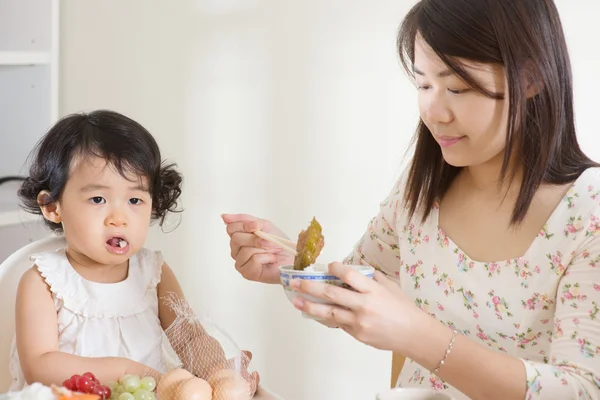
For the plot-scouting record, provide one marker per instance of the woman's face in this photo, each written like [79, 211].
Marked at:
[469, 127]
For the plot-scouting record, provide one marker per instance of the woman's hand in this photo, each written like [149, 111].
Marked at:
[256, 259]
[377, 314]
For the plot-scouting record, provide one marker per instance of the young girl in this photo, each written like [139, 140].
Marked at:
[493, 231]
[99, 303]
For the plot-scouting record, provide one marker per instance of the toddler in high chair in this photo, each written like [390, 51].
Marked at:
[99, 303]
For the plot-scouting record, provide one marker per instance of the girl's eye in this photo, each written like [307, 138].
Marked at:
[423, 87]
[98, 200]
[135, 201]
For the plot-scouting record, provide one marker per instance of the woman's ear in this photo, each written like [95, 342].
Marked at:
[50, 211]
[533, 81]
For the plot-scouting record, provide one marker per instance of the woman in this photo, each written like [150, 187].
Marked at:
[493, 231]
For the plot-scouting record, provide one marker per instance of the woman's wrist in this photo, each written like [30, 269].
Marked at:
[428, 342]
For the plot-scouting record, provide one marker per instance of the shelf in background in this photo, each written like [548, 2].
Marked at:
[8, 58]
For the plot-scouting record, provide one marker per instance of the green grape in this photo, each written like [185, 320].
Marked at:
[119, 389]
[121, 379]
[131, 383]
[113, 386]
[126, 396]
[141, 394]
[152, 396]
[148, 383]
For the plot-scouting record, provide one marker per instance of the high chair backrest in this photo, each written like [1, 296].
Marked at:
[11, 271]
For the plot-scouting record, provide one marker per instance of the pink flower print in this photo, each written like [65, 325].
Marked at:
[492, 268]
[558, 331]
[573, 226]
[556, 264]
[442, 239]
[414, 237]
[437, 383]
[594, 226]
[422, 304]
[593, 194]
[576, 321]
[528, 338]
[538, 301]
[416, 273]
[445, 282]
[585, 347]
[475, 315]
[435, 270]
[536, 269]
[570, 293]
[596, 287]
[416, 377]
[440, 307]
[468, 298]
[544, 233]
[463, 264]
[570, 198]
[594, 261]
[499, 305]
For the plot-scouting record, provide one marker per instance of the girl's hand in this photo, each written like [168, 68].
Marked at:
[377, 313]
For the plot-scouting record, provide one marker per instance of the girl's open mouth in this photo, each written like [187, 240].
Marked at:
[117, 245]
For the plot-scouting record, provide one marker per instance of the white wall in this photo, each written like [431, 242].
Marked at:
[285, 109]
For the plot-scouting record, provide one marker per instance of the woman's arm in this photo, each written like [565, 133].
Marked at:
[573, 371]
[378, 247]
[37, 340]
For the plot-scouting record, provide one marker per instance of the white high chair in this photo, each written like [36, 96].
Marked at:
[11, 271]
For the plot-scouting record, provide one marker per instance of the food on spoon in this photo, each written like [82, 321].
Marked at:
[309, 245]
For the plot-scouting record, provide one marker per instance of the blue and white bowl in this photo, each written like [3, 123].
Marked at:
[315, 272]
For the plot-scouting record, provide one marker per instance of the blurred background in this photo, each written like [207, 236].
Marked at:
[279, 108]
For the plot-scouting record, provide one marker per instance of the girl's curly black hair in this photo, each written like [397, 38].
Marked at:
[121, 141]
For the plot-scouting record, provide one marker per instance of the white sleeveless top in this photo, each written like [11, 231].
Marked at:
[105, 319]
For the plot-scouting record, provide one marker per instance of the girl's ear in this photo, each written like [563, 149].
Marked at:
[50, 211]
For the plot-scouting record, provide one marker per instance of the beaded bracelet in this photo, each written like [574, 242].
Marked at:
[436, 369]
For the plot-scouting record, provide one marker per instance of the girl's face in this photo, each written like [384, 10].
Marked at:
[105, 217]
[470, 128]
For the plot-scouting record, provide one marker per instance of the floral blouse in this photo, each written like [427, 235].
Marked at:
[542, 308]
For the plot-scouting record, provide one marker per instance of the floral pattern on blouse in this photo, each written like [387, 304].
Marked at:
[542, 308]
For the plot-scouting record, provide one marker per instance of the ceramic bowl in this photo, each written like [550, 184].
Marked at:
[319, 273]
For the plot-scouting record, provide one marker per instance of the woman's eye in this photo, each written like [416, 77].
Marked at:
[135, 201]
[423, 87]
[98, 200]
[457, 91]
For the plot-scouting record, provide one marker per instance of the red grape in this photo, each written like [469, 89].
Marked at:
[73, 381]
[84, 384]
[90, 375]
[68, 385]
[103, 391]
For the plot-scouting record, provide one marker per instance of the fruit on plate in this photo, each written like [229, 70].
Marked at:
[87, 383]
[132, 387]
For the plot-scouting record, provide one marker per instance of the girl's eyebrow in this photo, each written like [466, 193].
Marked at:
[94, 186]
